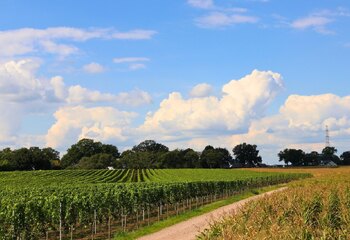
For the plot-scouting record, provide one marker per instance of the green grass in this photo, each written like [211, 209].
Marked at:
[157, 226]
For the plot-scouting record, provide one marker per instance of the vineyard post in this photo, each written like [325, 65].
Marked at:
[137, 218]
[95, 221]
[143, 213]
[109, 226]
[71, 232]
[148, 215]
[60, 228]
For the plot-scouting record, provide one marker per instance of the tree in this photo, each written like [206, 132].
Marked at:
[329, 151]
[86, 148]
[215, 157]
[136, 160]
[293, 156]
[329, 154]
[38, 159]
[5, 160]
[150, 146]
[247, 154]
[172, 159]
[97, 161]
[345, 158]
[312, 159]
[191, 158]
[53, 156]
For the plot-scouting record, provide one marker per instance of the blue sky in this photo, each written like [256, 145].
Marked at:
[180, 72]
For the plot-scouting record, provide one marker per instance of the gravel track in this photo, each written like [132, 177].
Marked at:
[189, 229]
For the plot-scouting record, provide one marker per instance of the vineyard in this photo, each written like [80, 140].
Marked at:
[317, 208]
[95, 204]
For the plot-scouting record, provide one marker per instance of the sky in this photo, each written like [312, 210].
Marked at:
[186, 73]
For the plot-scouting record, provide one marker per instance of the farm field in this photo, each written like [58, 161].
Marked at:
[314, 208]
[75, 177]
[98, 203]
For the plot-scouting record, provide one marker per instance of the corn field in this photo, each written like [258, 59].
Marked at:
[317, 208]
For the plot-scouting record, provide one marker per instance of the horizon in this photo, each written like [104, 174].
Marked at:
[187, 74]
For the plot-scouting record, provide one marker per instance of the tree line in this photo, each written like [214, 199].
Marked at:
[297, 157]
[90, 154]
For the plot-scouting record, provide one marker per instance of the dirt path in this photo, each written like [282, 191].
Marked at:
[189, 229]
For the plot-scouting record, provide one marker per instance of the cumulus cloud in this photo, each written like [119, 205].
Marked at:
[30, 40]
[100, 123]
[80, 95]
[23, 93]
[93, 68]
[201, 90]
[242, 100]
[300, 123]
[221, 19]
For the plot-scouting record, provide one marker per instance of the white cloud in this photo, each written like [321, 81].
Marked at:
[79, 95]
[242, 100]
[30, 40]
[23, 93]
[134, 63]
[201, 90]
[205, 4]
[317, 23]
[100, 123]
[319, 20]
[93, 68]
[220, 19]
[138, 34]
[300, 124]
[130, 59]
[136, 66]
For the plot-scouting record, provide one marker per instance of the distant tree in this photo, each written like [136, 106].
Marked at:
[111, 150]
[293, 156]
[97, 161]
[215, 157]
[150, 146]
[329, 151]
[247, 155]
[191, 158]
[21, 159]
[312, 159]
[86, 148]
[136, 160]
[38, 159]
[53, 156]
[329, 154]
[345, 158]
[172, 159]
[5, 160]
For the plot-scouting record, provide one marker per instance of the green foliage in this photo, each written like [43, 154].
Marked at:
[345, 158]
[32, 158]
[33, 202]
[97, 161]
[293, 156]
[86, 148]
[215, 158]
[247, 155]
[150, 146]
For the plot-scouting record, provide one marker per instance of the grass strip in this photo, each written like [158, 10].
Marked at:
[157, 226]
